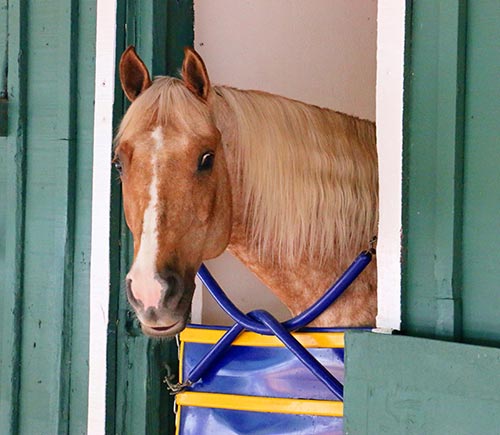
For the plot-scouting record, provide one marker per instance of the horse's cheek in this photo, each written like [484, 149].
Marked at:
[131, 213]
[204, 208]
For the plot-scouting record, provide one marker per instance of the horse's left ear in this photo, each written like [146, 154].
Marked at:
[134, 75]
[194, 74]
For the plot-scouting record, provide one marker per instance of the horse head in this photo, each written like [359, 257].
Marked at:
[175, 186]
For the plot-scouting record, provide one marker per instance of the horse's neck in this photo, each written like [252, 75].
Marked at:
[299, 286]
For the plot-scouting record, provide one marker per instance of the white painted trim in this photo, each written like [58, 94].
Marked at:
[99, 267]
[390, 70]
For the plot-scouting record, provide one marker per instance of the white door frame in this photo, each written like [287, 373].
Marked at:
[101, 206]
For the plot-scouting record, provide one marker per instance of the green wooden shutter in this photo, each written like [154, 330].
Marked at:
[45, 190]
[451, 262]
[137, 400]
[400, 385]
[481, 185]
[452, 156]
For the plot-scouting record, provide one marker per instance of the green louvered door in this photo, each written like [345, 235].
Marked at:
[451, 238]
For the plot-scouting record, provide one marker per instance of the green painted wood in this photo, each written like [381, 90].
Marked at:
[451, 159]
[433, 176]
[397, 385]
[4, 30]
[4, 116]
[83, 56]
[481, 238]
[4, 20]
[7, 348]
[137, 399]
[406, 385]
[3, 229]
[48, 161]
[14, 188]
[451, 261]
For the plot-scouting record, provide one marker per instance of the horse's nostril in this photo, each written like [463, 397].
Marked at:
[130, 294]
[172, 285]
[170, 281]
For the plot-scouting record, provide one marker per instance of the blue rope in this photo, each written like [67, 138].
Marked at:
[213, 354]
[306, 317]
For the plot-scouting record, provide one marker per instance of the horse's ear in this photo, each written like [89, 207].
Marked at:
[194, 74]
[134, 75]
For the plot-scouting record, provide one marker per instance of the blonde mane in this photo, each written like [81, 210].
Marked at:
[308, 175]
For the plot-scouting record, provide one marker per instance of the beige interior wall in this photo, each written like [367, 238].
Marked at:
[319, 51]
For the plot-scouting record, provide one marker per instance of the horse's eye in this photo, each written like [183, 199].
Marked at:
[206, 161]
[118, 165]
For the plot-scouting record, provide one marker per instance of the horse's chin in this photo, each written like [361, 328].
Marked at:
[164, 331]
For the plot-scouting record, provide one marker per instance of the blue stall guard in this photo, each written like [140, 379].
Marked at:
[258, 386]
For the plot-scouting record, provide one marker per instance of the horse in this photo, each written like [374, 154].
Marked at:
[290, 189]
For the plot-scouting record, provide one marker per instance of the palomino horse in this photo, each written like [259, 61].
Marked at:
[290, 189]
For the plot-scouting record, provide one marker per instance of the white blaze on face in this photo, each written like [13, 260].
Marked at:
[144, 285]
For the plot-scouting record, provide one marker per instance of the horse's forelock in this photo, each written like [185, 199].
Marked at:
[167, 101]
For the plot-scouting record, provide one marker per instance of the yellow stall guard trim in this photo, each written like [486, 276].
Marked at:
[177, 421]
[323, 408]
[181, 360]
[307, 339]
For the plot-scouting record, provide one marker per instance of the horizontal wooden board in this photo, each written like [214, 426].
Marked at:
[406, 385]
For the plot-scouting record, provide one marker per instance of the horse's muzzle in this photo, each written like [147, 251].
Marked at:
[170, 313]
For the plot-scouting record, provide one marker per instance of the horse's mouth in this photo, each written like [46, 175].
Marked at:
[163, 331]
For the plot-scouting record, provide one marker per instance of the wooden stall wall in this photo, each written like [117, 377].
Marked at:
[45, 185]
[451, 208]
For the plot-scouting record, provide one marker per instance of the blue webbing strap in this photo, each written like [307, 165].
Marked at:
[262, 322]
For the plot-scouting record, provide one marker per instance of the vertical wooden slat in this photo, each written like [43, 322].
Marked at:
[50, 144]
[71, 28]
[4, 52]
[4, 46]
[15, 171]
[481, 254]
[83, 55]
[47, 192]
[433, 179]
[449, 168]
